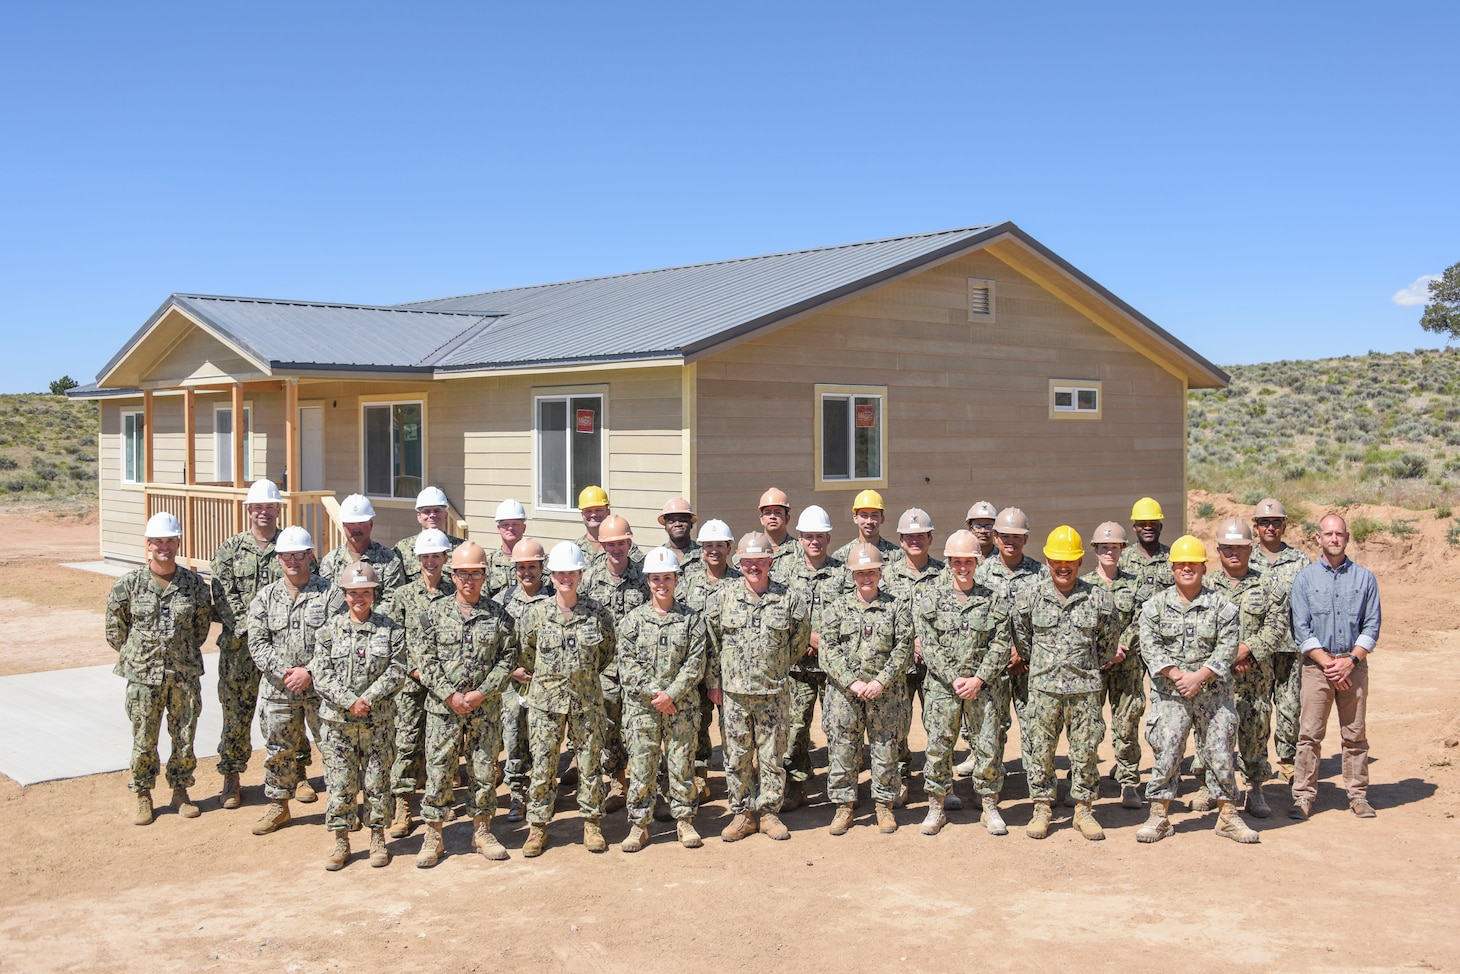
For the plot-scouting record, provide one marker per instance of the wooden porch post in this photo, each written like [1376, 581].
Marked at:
[146, 448]
[291, 446]
[238, 438]
[190, 477]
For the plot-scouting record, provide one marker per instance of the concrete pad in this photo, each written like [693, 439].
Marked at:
[113, 568]
[70, 723]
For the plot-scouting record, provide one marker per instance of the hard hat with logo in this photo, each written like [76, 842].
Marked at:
[356, 509]
[510, 510]
[914, 521]
[864, 557]
[566, 557]
[774, 497]
[359, 575]
[163, 525]
[614, 528]
[1011, 520]
[1146, 509]
[983, 509]
[293, 538]
[660, 560]
[961, 544]
[528, 549]
[432, 542]
[1188, 549]
[715, 530]
[431, 497]
[468, 554]
[263, 492]
[592, 496]
[867, 500]
[1109, 532]
[1270, 507]
[755, 545]
[815, 520]
[676, 505]
[1234, 530]
[1063, 544]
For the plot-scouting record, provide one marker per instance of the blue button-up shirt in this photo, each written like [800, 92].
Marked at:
[1335, 609]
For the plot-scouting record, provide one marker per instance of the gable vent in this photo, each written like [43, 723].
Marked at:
[980, 299]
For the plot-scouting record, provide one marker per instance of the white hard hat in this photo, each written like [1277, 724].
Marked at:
[510, 510]
[293, 538]
[263, 492]
[356, 508]
[661, 559]
[814, 519]
[431, 542]
[714, 530]
[163, 525]
[432, 497]
[566, 556]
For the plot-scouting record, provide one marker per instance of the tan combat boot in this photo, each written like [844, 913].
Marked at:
[184, 804]
[967, 768]
[304, 792]
[144, 809]
[617, 793]
[886, 821]
[935, 821]
[992, 820]
[430, 853]
[379, 855]
[1257, 801]
[842, 821]
[1231, 826]
[232, 795]
[1038, 827]
[1285, 771]
[702, 787]
[771, 825]
[688, 837]
[1085, 822]
[1158, 826]
[593, 839]
[536, 841]
[638, 835]
[1201, 801]
[275, 816]
[341, 853]
[740, 826]
[400, 823]
[483, 841]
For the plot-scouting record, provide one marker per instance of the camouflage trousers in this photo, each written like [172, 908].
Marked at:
[408, 767]
[1018, 699]
[944, 713]
[807, 687]
[357, 756]
[1253, 699]
[846, 719]
[703, 746]
[756, 727]
[477, 736]
[545, 730]
[1213, 717]
[615, 755]
[915, 677]
[1287, 693]
[1123, 689]
[283, 723]
[1078, 715]
[238, 695]
[657, 739]
[181, 697]
[514, 739]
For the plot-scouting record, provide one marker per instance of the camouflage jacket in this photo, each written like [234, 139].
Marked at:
[460, 653]
[411, 604]
[410, 565]
[154, 629]
[964, 636]
[695, 586]
[566, 655]
[387, 564]
[1189, 635]
[241, 567]
[661, 653]
[1152, 572]
[358, 661]
[1282, 570]
[593, 554]
[517, 602]
[692, 555]
[820, 587]
[752, 643]
[501, 572]
[891, 550]
[1259, 622]
[282, 630]
[1065, 640]
[901, 581]
[867, 640]
[619, 596]
[1008, 583]
[1123, 590]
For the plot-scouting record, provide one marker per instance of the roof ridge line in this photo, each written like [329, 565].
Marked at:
[433, 357]
[396, 308]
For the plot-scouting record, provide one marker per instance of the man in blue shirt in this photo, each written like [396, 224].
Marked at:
[1336, 624]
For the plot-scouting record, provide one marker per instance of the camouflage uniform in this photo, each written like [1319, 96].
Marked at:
[619, 596]
[501, 573]
[593, 555]
[281, 634]
[357, 661]
[693, 589]
[902, 581]
[964, 636]
[865, 641]
[158, 634]
[516, 771]
[459, 653]
[788, 552]
[1190, 635]
[409, 608]
[410, 565]
[1008, 584]
[891, 550]
[1066, 640]
[1287, 668]
[386, 562]
[1152, 572]
[1123, 685]
[693, 555]
[819, 587]
[1261, 627]
[752, 646]
[661, 653]
[565, 657]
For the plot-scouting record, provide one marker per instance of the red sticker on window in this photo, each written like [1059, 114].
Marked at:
[585, 421]
[866, 417]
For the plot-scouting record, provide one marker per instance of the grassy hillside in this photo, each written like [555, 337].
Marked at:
[47, 450]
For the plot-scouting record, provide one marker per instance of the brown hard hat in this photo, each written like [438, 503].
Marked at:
[1109, 532]
[528, 549]
[614, 528]
[755, 545]
[1270, 507]
[961, 544]
[1234, 530]
[1011, 520]
[774, 497]
[675, 505]
[469, 554]
[864, 557]
[359, 575]
[914, 520]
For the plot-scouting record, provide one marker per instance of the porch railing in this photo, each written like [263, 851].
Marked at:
[212, 514]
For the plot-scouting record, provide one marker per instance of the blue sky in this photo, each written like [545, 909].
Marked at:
[1260, 179]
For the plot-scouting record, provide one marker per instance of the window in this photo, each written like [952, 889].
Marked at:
[569, 448]
[851, 428]
[980, 299]
[1074, 399]
[134, 442]
[223, 444]
[393, 449]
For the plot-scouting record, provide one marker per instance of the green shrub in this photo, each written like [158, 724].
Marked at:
[1452, 536]
[8, 463]
[1206, 509]
[1402, 528]
[1442, 512]
[1410, 466]
[1363, 527]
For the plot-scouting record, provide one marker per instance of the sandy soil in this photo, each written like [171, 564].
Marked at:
[84, 889]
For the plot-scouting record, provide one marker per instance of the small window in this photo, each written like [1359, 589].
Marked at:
[134, 442]
[851, 441]
[569, 448]
[223, 444]
[1069, 400]
[394, 451]
[980, 299]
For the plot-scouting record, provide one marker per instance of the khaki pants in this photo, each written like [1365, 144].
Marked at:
[1319, 698]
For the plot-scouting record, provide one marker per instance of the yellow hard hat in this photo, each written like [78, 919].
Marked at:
[592, 496]
[868, 499]
[1187, 548]
[1064, 544]
[1147, 509]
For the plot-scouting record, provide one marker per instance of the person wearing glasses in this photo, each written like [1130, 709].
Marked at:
[678, 519]
[1008, 576]
[431, 515]
[357, 518]
[1281, 562]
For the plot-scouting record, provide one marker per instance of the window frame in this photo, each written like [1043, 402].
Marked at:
[139, 433]
[1075, 387]
[566, 394]
[390, 401]
[248, 432]
[821, 393]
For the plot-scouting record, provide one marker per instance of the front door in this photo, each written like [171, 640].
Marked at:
[311, 448]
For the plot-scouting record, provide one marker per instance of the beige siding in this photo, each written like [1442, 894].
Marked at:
[199, 355]
[121, 515]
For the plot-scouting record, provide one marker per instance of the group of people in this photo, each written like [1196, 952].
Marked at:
[415, 666]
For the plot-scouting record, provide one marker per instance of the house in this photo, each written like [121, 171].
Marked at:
[940, 368]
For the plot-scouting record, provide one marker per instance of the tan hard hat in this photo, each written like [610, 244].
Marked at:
[1270, 507]
[914, 520]
[614, 528]
[961, 544]
[1011, 520]
[359, 575]
[468, 554]
[528, 549]
[1109, 532]
[774, 497]
[1234, 530]
[755, 545]
[981, 510]
[863, 557]
[675, 505]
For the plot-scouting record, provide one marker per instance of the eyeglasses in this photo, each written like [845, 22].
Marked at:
[1269, 522]
[469, 576]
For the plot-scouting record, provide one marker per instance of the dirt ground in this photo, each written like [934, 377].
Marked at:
[83, 889]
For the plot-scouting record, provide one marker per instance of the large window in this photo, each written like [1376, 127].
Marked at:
[394, 448]
[134, 442]
[569, 448]
[851, 441]
[223, 444]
